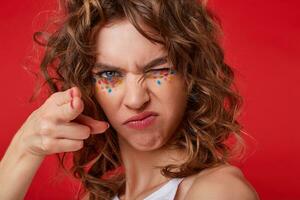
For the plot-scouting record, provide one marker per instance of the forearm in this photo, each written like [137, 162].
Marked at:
[17, 169]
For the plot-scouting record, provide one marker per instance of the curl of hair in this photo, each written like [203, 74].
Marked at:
[190, 33]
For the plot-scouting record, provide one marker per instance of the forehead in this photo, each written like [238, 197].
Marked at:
[120, 44]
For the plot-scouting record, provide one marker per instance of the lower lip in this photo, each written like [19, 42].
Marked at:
[141, 124]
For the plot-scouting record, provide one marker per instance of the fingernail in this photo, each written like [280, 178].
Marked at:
[107, 124]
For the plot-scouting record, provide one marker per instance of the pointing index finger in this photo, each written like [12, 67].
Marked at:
[95, 125]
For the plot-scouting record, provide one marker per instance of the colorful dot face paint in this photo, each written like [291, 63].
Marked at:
[107, 83]
[162, 74]
[110, 83]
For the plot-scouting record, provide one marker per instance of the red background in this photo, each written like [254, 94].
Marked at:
[261, 39]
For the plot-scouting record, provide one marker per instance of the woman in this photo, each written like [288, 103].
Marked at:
[144, 100]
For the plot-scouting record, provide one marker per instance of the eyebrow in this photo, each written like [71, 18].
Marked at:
[152, 63]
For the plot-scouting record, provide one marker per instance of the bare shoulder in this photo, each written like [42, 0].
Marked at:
[225, 182]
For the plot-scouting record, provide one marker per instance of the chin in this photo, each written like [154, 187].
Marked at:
[148, 141]
[146, 148]
[146, 144]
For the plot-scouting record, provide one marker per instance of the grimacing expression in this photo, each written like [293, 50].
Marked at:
[133, 75]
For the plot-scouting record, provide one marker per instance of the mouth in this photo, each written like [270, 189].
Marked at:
[142, 120]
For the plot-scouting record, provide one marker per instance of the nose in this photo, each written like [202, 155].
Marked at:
[136, 95]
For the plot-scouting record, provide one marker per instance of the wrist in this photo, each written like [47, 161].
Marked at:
[23, 152]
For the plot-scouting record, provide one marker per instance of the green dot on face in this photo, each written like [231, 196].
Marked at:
[109, 90]
[158, 82]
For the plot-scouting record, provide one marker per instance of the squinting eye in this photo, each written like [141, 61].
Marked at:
[160, 69]
[108, 74]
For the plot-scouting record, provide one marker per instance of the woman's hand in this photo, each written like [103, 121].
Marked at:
[58, 125]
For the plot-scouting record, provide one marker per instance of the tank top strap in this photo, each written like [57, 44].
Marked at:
[167, 191]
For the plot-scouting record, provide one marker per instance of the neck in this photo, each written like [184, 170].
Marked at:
[141, 168]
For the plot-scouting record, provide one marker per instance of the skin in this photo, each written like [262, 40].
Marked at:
[56, 126]
[121, 45]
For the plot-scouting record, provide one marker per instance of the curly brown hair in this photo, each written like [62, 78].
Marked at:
[190, 32]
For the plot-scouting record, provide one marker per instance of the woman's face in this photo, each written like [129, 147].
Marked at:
[128, 83]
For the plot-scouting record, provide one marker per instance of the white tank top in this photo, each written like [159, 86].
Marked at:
[166, 192]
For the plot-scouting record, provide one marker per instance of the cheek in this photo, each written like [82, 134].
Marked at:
[173, 98]
[108, 96]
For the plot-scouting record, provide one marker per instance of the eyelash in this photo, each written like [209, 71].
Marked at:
[99, 74]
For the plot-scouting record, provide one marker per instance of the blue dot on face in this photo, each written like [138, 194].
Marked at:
[158, 82]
